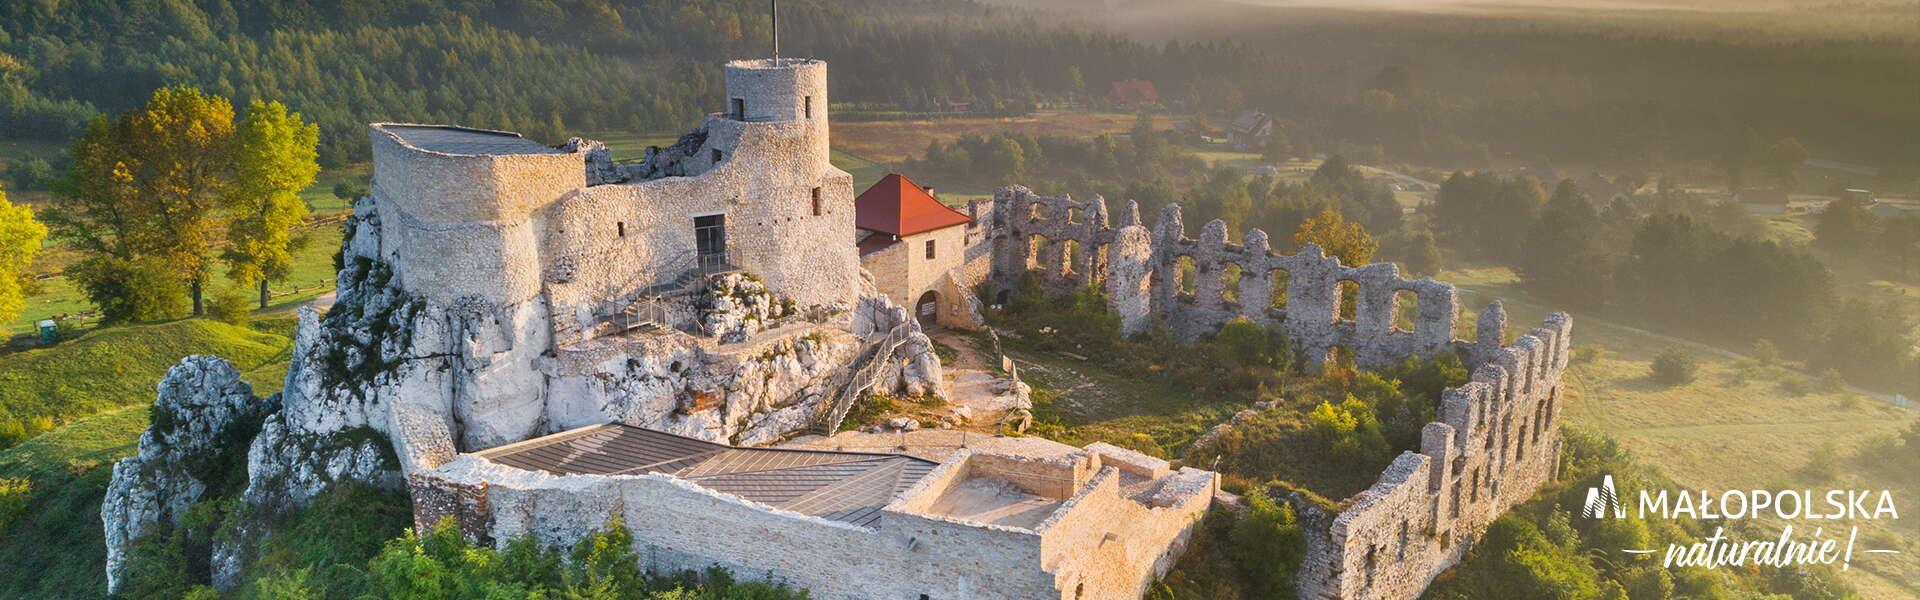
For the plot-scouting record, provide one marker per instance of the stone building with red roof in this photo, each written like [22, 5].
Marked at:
[916, 247]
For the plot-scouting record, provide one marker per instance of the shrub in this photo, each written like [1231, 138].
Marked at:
[1765, 352]
[14, 493]
[1267, 546]
[1674, 367]
[12, 433]
[131, 290]
[231, 307]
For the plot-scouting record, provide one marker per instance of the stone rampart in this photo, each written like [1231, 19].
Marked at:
[1103, 543]
[1496, 441]
[1497, 437]
[1069, 244]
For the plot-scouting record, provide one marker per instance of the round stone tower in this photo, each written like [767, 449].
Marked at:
[780, 90]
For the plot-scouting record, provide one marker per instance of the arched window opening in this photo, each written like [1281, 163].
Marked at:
[1230, 277]
[1349, 305]
[1277, 300]
[1406, 310]
[1189, 275]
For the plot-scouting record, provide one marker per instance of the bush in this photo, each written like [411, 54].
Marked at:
[1765, 352]
[231, 307]
[1267, 546]
[131, 290]
[1674, 367]
[14, 493]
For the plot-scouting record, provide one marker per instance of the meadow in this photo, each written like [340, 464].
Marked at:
[1738, 424]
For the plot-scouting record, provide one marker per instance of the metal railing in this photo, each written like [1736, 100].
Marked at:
[851, 383]
[648, 307]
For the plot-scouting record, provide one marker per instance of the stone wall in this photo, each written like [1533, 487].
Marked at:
[1496, 441]
[1102, 544]
[1069, 244]
[1497, 437]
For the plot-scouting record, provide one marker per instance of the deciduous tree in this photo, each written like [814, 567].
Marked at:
[20, 237]
[276, 158]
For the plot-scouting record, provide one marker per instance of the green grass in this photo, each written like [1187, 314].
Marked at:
[120, 366]
[57, 548]
[319, 196]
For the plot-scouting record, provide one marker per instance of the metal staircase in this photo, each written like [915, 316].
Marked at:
[649, 307]
[852, 383]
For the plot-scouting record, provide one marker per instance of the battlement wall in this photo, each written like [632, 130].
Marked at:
[1069, 244]
[1496, 441]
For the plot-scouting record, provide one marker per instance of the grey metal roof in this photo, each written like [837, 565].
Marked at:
[841, 486]
[461, 140]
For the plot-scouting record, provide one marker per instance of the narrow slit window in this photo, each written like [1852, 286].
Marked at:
[806, 107]
[816, 202]
[620, 228]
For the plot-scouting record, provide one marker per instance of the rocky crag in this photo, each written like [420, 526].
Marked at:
[389, 382]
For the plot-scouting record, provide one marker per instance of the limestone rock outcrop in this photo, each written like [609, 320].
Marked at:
[736, 305]
[202, 415]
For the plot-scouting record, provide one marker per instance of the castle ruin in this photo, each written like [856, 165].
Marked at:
[503, 305]
[1497, 437]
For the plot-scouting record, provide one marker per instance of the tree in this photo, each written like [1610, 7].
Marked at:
[1560, 256]
[20, 237]
[1416, 250]
[276, 157]
[1845, 227]
[179, 147]
[1267, 546]
[1348, 242]
[142, 198]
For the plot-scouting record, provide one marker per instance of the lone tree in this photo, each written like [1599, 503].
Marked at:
[1348, 242]
[276, 159]
[20, 237]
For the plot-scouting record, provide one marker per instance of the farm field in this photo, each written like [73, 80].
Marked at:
[1738, 424]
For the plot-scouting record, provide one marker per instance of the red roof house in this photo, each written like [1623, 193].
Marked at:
[899, 207]
[1135, 92]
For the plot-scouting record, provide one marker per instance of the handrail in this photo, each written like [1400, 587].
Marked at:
[644, 306]
[851, 382]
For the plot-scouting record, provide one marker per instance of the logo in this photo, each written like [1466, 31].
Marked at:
[1842, 508]
[1601, 498]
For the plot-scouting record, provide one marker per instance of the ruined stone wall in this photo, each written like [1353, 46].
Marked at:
[1069, 244]
[677, 525]
[604, 243]
[1113, 540]
[1497, 437]
[1496, 441]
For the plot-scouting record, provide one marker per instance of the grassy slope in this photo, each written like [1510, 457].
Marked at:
[119, 366]
[1734, 427]
[56, 550]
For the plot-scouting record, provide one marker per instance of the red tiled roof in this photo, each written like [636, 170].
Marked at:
[1136, 91]
[898, 206]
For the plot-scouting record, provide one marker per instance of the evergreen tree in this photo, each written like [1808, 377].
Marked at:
[1559, 256]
